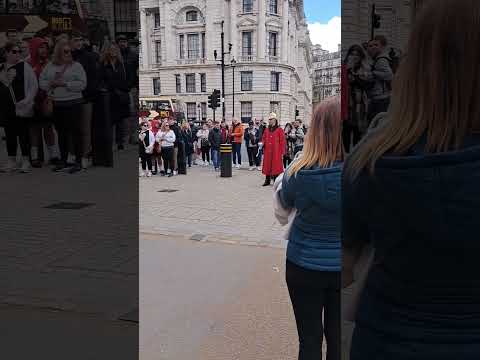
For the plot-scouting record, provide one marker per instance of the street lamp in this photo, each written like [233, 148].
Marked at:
[233, 62]
[199, 115]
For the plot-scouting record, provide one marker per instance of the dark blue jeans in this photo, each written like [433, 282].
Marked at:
[216, 158]
[237, 147]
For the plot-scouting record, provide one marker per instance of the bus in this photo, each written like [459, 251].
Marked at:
[166, 107]
[20, 19]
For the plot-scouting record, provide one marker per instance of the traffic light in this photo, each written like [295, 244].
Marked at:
[214, 99]
[376, 21]
[210, 101]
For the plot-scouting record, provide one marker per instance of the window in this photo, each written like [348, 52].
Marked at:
[193, 49]
[204, 110]
[182, 46]
[191, 111]
[192, 15]
[203, 82]
[178, 83]
[190, 83]
[203, 45]
[246, 80]
[275, 107]
[272, 43]
[247, 6]
[247, 43]
[273, 7]
[246, 111]
[275, 81]
[156, 17]
[156, 86]
[158, 52]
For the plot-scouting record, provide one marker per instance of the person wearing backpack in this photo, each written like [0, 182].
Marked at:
[380, 78]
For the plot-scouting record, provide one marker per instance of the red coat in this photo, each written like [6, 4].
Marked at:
[273, 150]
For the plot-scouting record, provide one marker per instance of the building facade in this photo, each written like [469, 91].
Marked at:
[395, 23]
[326, 73]
[270, 51]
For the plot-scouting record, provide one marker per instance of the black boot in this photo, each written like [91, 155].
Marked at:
[267, 181]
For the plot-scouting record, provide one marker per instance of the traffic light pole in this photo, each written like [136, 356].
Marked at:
[372, 17]
[223, 73]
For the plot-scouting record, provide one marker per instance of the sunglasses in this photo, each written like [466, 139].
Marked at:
[15, 52]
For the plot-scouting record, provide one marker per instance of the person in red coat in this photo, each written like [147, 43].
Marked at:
[274, 146]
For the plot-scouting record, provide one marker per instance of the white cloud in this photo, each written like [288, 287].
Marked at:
[328, 35]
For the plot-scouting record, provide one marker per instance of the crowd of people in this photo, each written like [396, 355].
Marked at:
[167, 148]
[49, 87]
[394, 213]
[367, 74]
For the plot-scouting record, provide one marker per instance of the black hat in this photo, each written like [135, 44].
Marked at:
[122, 37]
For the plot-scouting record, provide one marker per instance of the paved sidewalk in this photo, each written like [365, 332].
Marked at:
[232, 210]
[63, 265]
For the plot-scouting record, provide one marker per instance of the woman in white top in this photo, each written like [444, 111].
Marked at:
[18, 87]
[166, 138]
[204, 144]
[65, 79]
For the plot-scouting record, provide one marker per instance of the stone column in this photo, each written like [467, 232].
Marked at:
[170, 41]
[233, 29]
[284, 49]
[261, 30]
[144, 39]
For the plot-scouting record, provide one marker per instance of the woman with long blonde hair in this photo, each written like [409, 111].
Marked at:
[64, 80]
[311, 187]
[411, 189]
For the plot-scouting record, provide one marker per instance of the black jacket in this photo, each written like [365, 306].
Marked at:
[130, 59]
[215, 138]
[90, 64]
[115, 81]
[178, 134]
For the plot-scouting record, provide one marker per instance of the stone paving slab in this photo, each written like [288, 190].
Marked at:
[236, 209]
[78, 261]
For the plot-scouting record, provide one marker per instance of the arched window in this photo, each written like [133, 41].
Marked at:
[192, 15]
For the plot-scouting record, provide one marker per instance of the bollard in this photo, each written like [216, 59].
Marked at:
[226, 160]
[102, 132]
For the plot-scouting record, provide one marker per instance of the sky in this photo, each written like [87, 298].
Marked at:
[323, 17]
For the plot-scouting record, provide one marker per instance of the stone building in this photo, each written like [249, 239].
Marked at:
[326, 73]
[271, 51]
[396, 19]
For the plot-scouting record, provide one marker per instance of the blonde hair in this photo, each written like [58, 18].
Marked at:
[435, 92]
[323, 142]
[57, 57]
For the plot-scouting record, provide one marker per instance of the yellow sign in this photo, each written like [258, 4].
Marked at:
[61, 24]
[164, 114]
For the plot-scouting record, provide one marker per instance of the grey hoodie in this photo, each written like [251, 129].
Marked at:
[381, 73]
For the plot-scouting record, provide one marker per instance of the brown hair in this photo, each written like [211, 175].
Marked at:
[435, 92]
[323, 142]
[111, 55]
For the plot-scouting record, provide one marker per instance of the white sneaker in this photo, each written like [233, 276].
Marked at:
[142, 173]
[251, 168]
[259, 168]
[149, 173]
[238, 166]
[175, 173]
[25, 168]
